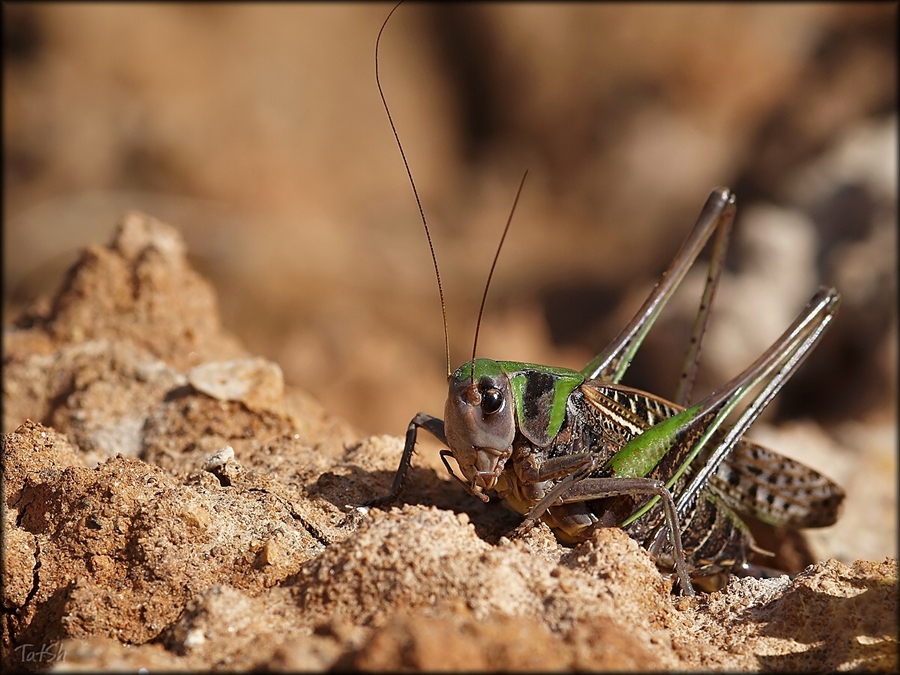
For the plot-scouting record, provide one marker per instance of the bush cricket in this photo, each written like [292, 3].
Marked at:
[579, 450]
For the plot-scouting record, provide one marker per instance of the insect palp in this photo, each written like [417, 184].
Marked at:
[471, 488]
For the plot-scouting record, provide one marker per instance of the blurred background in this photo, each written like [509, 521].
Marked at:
[258, 131]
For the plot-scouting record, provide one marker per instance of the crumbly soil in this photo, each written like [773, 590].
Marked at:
[170, 504]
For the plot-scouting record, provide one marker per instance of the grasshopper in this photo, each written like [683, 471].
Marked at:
[579, 450]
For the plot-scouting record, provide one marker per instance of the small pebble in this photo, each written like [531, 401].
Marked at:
[219, 459]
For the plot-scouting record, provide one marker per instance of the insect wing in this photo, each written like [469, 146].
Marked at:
[621, 414]
[752, 480]
[776, 489]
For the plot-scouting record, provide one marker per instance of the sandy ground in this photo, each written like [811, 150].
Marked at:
[134, 537]
[177, 507]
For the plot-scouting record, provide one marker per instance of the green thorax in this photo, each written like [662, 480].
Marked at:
[540, 393]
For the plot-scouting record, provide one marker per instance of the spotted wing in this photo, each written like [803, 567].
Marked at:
[752, 479]
[776, 489]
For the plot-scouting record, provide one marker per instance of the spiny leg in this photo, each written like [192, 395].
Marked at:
[577, 487]
[431, 424]
[771, 370]
[590, 489]
[686, 434]
[572, 468]
[612, 362]
[698, 331]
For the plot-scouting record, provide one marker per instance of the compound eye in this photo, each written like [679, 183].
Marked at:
[491, 401]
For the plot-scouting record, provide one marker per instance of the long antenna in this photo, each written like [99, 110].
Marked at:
[493, 265]
[437, 272]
